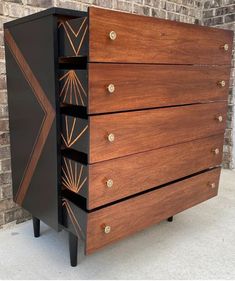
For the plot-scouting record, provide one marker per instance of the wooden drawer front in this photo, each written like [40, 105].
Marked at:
[149, 129]
[147, 86]
[115, 179]
[142, 171]
[135, 214]
[149, 40]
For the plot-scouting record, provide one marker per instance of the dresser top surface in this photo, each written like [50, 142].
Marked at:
[44, 13]
[91, 10]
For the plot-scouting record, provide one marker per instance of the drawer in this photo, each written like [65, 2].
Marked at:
[106, 225]
[147, 86]
[111, 180]
[121, 87]
[121, 134]
[120, 37]
[103, 137]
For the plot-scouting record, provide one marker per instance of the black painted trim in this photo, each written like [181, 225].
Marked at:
[51, 11]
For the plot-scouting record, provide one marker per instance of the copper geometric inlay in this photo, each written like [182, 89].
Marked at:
[72, 175]
[47, 120]
[72, 89]
[69, 139]
[67, 27]
[73, 219]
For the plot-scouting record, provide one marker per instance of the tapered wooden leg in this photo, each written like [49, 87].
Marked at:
[73, 249]
[36, 227]
[170, 219]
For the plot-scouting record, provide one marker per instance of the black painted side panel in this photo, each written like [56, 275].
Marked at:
[36, 42]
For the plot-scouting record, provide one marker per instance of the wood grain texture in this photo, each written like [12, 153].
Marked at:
[143, 39]
[150, 129]
[142, 171]
[147, 86]
[135, 214]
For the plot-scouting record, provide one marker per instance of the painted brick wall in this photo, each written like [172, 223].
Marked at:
[189, 11]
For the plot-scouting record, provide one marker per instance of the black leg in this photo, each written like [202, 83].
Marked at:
[73, 249]
[170, 219]
[36, 227]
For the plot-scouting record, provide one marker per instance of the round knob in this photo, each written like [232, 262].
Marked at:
[225, 47]
[109, 183]
[215, 151]
[219, 118]
[111, 137]
[211, 184]
[112, 35]
[111, 88]
[222, 83]
[107, 229]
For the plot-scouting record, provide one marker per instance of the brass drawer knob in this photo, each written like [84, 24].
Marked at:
[219, 118]
[106, 228]
[111, 137]
[212, 184]
[111, 88]
[225, 47]
[222, 83]
[109, 183]
[112, 35]
[215, 151]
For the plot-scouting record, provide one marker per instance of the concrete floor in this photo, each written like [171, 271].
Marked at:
[199, 244]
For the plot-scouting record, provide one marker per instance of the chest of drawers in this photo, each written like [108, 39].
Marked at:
[117, 120]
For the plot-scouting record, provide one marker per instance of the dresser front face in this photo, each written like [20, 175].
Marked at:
[139, 113]
[146, 141]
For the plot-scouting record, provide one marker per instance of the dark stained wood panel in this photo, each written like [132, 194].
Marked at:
[150, 129]
[147, 86]
[135, 214]
[142, 171]
[141, 39]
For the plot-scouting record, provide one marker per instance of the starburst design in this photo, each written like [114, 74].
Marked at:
[73, 218]
[72, 91]
[72, 175]
[69, 138]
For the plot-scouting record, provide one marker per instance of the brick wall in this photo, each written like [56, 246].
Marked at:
[219, 12]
